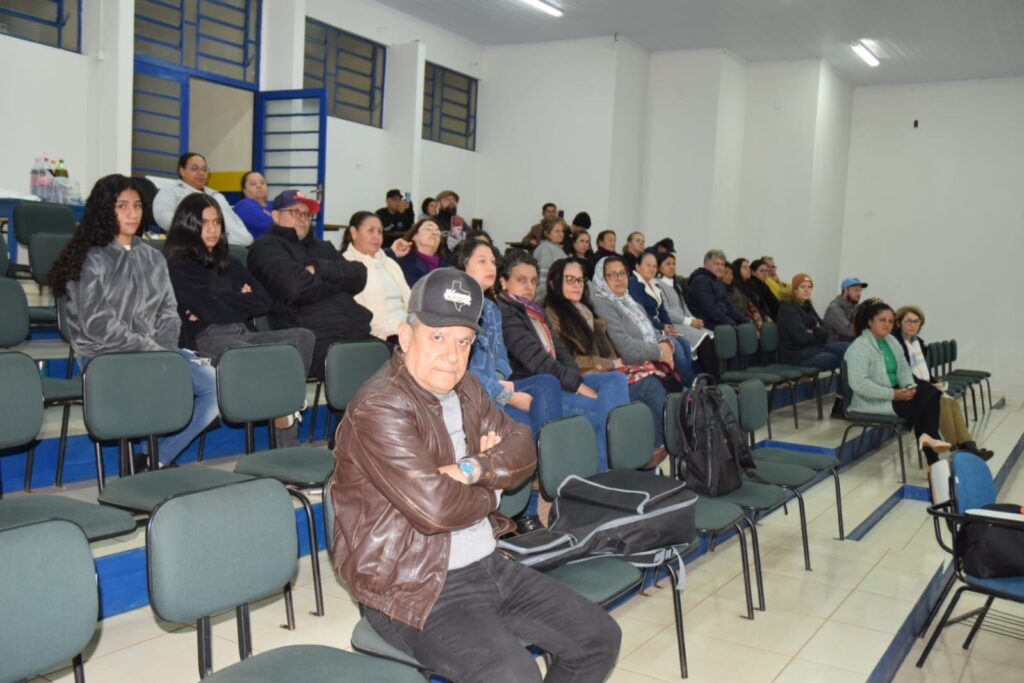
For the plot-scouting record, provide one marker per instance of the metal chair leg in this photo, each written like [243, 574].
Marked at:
[62, 445]
[977, 621]
[318, 589]
[818, 399]
[938, 604]
[974, 402]
[289, 608]
[312, 412]
[746, 569]
[839, 504]
[101, 477]
[938, 629]
[30, 457]
[903, 464]
[803, 528]
[677, 609]
[79, 669]
[756, 547]
[792, 397]
[713, 542]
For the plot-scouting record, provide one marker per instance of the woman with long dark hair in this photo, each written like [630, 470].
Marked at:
[120, 297]
[758, 284]
[882, 382]
[586, 336]
[744, 282]
[386, 293]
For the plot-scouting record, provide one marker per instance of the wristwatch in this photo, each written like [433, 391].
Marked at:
[470, 470]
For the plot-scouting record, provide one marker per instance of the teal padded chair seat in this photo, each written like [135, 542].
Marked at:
[737, 376]
[756, 496]
[365, 639]
[296, 466]
[716, 514]
[781, 474]
[58, 389]
[315, 664]
[815, 461]
[874, 417]
[96, 521]
[786, 371]
[598, 580]
[143, 492]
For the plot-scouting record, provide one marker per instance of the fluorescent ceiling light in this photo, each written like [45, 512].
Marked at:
[864, 53]
[544, 7]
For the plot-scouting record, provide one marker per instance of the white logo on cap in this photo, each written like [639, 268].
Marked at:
[458, 295]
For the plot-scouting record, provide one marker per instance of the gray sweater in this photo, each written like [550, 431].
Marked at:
[866, 375]
[546, 253]
[838, 320]
[623, 332]
[123, 301]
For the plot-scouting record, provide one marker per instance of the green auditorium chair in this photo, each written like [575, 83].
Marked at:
[31, 218]
[48, 598]
[44, 250]
[769, 345]
[867, 421]
[241, 539]
[258, 384]
[348, 366]
[727, 349]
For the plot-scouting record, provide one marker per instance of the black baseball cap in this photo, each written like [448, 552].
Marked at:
[447, 297]
[290, 198]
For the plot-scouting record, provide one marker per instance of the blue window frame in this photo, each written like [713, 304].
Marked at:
[350, 68]
[57, 23]
[217, 39]
[449, 107]
[159, 120]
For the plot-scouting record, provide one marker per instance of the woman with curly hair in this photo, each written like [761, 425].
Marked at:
[120, 297]
[217, 297]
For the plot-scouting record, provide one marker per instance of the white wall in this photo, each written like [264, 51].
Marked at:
[220, 124]
[629, 127]
[935, 215]
[443, 167]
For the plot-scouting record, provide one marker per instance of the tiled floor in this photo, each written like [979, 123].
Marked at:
[831, 624]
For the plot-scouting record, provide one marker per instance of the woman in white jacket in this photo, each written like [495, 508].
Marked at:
[386, 294]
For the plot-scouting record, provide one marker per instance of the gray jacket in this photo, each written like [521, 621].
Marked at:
[625, 334]
[680, 315]
[123, 301]
[866, 375]
[838, 320]
[546, 253]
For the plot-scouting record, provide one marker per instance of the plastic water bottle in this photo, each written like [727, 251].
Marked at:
[37, 167]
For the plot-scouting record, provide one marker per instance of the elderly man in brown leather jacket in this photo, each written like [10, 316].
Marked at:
[422, 458]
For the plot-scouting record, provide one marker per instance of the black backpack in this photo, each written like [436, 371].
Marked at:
[713, 449]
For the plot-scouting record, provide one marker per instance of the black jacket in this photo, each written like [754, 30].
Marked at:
[215, 298]
[761, 295]
[801, 333]
[321, 301]
[710, 302]
[526, 353]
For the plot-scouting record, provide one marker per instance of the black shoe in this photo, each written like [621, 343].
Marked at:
[528, 523]
[971, 447]
[141, 462]
[838, 410]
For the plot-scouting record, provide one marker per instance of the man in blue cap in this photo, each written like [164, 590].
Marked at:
[839, 314]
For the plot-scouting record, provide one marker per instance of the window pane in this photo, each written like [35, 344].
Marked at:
[350, 67]
[42, 21]
[449, 107]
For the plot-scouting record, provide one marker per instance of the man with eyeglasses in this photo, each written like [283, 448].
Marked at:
[192, 175]
[838, 317]
[311, 284]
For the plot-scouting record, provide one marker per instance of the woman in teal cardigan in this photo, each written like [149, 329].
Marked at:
[881, 380]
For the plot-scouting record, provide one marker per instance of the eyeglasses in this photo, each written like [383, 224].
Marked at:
[616, 275]
[298, 214]
[912, 321]
[573, 280]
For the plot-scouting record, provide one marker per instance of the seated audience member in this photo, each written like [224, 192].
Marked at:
[449, 220]
[530, 400]
[643, 291]
[580, 223]
[217, 297]
[708, 299]
[480, 235]
[254, 208]
[686, 325]
[952, 425]
[882, 383]
[579, 248]
[548, 251]
[120, 298]
[663, 246]
[739, 298]
[572, 318]
[802, 336]
[424, 256]
[633, 249]
[428, 209]
[396, 216]
[422, 458]
[310, 284]
[192, 173]
[774, 281]
[605, 245]
[534, 349]
[743, 280]
[386, 294]
[536, 233]
[758, 284]
[629, 328]
[839, 314]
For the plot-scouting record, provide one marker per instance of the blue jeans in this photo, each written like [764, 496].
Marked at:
[682, 354]
[546, 405]
[612, 390]
[830, 358]
[204, 386]
[652, 393]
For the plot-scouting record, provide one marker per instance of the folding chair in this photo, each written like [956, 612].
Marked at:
[872, 421]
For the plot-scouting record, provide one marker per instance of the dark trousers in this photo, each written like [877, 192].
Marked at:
[923, 414]
[474, 630]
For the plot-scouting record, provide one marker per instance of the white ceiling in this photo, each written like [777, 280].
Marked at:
[917, 40]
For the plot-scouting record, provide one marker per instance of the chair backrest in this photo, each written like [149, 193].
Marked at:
[673, 402]
[348, 366]
[239, 252]
[565, 446]
[149, 192]
[43, 250]
[30, 218]
[256, 383]
[753, 413]
[61, 304]
[49, 597]
[747, 337]
[132, 395]
[515, 500]
[944, 356]
[973, 486]
[769, 338]
[21, 400]
[14, 322]
[952, 352]
[211, 550]
[5, 258]
[729, 396]
[725, 342]
[630, 436]
[938, 482]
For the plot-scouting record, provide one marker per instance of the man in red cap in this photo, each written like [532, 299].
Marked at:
[311, 284]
